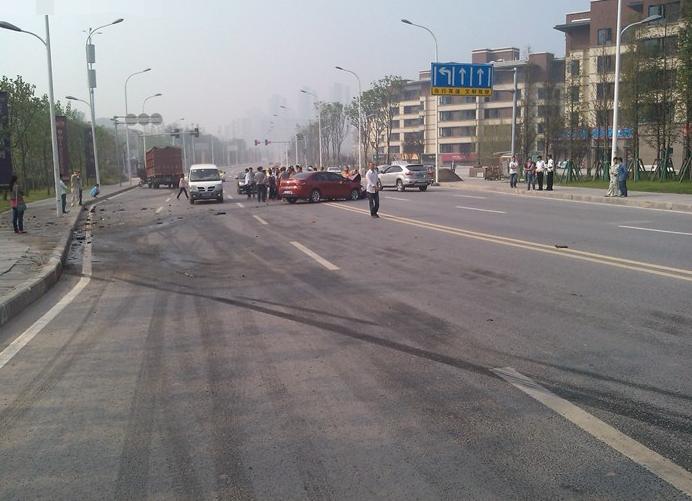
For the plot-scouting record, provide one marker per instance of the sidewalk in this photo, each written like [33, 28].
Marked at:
[662, 201]
[31, 263]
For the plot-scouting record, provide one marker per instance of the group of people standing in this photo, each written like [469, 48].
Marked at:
[618, 178]
[266, 182]
[535, 172]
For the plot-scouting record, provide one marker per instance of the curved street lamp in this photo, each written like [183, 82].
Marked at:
[360, 118]
[437, 132]
[51, 105]
[616, 90]
[127, 127]
[91, 84]
[147, 99]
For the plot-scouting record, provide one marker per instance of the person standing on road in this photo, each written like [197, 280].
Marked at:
[249, 183]
[540, 169]
[18, 205]
[261, 183]
[613, 186]
[74, 187]
[62, 195]
[182, 187]
[550, 172]
[513, 165]
[80, 186]
[622, 177]
[530, 174]
[372, 188]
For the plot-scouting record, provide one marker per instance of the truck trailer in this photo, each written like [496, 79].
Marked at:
[164, 166]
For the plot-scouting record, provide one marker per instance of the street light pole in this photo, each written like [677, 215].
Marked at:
[437, 132]
[319, 121]
[360, 119]
[127, 128]
[91, 84]
[144, 135]
[51, 106]
[616, 90]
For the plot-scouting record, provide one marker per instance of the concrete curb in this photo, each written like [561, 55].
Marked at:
[631, 202]
[31, 290]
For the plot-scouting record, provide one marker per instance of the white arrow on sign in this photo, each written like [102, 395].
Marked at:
[462, 74]
[448, 72]
[480, 74]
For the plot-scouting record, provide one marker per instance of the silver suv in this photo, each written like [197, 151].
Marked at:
[404, 175]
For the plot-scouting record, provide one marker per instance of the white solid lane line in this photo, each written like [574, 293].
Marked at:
[469, 196]
[481, 210]
[395, 198]
[260, 220]
[663, 468]
[239, 205]
[656, 231]
[314, 256]
[8, 353]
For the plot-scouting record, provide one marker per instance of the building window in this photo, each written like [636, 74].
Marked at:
[410, 110]
[413, 122]
[604, 63]
[574, 67]
[605, 90]
[394, 136]
[574, 93]
[605, 36]
[670, 12]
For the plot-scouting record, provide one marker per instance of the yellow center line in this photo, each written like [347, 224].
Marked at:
[651, 268]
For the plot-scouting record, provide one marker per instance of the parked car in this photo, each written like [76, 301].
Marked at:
[315, 186]
[402, 176]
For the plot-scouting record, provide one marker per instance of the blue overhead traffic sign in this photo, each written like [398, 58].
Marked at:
[461, 79]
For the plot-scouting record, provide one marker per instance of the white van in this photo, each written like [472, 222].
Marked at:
[205, 183]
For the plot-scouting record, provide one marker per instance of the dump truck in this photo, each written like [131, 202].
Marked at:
[164, 166]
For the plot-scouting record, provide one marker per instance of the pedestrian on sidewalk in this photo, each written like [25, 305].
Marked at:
[622, 177]
[550, 172]
[530, 174]
[613, 171]
[372, 187]
[18, 205]
[182, 187]
[540, 169]
[513, 166]
[62, 195]
[80, 186]
[74, 188]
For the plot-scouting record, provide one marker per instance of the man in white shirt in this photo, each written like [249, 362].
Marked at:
[249, 182]
[371, 180]
[550, 169]
[513, 165]
[540, 169]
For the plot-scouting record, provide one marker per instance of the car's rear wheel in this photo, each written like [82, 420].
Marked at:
[400, 185]
[291, 200]
[315, 196]
[354, 195]
[422, 188]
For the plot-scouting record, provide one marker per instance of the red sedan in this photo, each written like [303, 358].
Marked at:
[315, 186]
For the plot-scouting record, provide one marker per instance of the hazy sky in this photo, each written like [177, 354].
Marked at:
[217, 60]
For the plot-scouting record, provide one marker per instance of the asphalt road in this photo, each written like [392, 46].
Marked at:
[463, 346]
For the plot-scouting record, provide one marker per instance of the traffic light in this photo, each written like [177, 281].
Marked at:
[175, 133]
[195, 132]
[267, 142]
[257, 142]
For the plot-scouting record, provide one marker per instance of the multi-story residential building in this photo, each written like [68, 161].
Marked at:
[476, 130]
[590, 38]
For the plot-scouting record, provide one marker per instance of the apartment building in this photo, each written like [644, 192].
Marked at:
[590, 48]
[477, 130]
